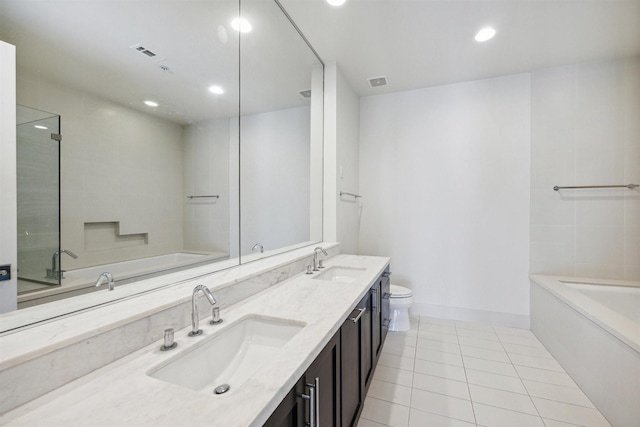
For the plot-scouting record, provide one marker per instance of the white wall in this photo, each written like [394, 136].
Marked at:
[8, 211]
[274, 187]
[341, 161]
[444, 172]
[348, 134]
[585, 130]
[117, 165]
[329, 155]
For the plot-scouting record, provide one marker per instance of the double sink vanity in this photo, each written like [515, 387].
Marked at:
[301, 352]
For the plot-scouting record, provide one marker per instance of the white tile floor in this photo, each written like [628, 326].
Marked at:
[446, 373]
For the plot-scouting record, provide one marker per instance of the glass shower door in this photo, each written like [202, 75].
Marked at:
[38, 181]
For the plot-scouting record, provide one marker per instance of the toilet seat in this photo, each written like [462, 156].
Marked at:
[400, 292]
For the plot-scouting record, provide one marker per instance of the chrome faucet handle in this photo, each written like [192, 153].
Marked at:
[309, 271]
[320, 264]
[169, 343]
[215, 316]
[109, 280]
[195, 318]
[315, 256]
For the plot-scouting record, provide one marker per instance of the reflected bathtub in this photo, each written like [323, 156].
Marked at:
[81, 281]
[592, 327]
[133, 268]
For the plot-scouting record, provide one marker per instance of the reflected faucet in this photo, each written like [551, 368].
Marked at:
[256, 246]
[315, 257]
[54, 272]
[109, 280]
[195, 319]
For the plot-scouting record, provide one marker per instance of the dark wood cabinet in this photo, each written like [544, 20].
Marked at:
[355, 339]
[290, 412]
[316, 395]
[333, 389]
[324, 376]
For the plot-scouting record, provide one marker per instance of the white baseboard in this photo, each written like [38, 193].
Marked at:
[472, 315]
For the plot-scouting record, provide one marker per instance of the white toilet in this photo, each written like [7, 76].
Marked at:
[400, 302]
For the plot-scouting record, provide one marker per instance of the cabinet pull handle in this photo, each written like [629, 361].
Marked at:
[386, 322]
[357, 318]
[375, 294]
[379, 300]
[386, 274]
[312, 398]
[308, 397]
[386, 295]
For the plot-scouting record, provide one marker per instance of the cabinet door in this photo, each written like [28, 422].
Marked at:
[290, 412]
[355, 337]
[316, 395]
[324, 377]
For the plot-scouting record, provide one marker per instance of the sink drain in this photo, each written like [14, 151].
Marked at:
[222, 389]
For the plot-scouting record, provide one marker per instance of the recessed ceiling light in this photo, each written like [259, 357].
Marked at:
[41, 127]
[485, 34]
[151, 103]
[216, 89]
[336, 2]
[241, 25]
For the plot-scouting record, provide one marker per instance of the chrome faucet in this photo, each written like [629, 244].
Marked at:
[109, 280]
[195, 319]
[256, 246]
[315, 257]
[54, 272]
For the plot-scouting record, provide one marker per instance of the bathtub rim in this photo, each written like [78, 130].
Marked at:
[624, 329]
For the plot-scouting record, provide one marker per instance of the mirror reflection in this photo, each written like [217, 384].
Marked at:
[156, 143]
[277, 124]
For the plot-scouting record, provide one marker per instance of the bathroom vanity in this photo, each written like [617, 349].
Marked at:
[325, 329]
[334, 387]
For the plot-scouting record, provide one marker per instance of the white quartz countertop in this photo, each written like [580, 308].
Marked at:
[122, 394]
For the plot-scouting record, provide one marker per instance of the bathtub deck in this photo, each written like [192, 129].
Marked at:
[597, 346]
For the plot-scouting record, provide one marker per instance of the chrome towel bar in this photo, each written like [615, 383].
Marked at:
[629, 186]
[201, 197]
[344, 193]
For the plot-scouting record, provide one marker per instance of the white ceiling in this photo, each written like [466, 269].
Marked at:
[86, 45]
[422, 43]
[415, 43]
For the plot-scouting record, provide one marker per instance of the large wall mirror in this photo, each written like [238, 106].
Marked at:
[185, 138]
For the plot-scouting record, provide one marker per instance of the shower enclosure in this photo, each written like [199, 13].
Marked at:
[38, 181]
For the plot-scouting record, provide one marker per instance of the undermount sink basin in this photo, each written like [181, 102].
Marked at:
[340, 274]
[231, 357]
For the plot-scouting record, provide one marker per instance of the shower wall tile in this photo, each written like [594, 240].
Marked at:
[585, 131]
[206, 166]
[554, 167]
[549, 208]
[553, 249]
[594, 210]
[600, 245]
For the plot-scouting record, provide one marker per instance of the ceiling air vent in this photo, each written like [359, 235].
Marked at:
[306, 94]
[378, 81]
[147, 52]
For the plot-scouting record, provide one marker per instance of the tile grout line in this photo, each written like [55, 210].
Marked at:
[523, 384]
[473, 409]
